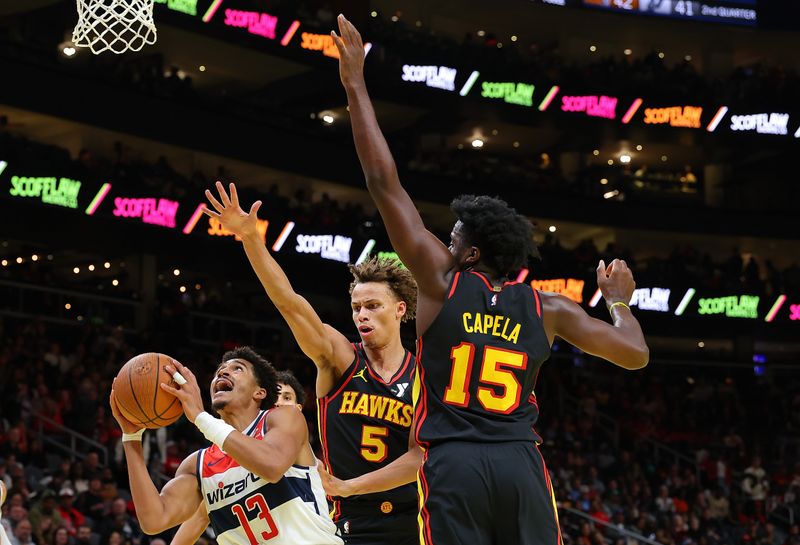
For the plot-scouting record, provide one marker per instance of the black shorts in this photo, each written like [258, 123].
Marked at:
[487, 494]
[369, 525]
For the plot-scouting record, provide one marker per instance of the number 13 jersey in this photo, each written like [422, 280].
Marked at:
[245, 509]
[477, 364]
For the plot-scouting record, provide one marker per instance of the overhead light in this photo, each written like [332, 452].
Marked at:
[610, 162]
[611, 194]
[516, 144]
[197, 286]
[67, 49]
[481, 33]
[91, 267]
[688, 58]
[183, 289]
[592, 48]
[34, 257]
[625, 158]
[107, 265]
[176, 272]
[552, 228]
[76, 270]
[513, 38]
[663, 158]
[627, 51]
[395, 18]
[202, 68]
[639, 147]
[477, 143]
[494, 132]
[660, 54]
[596, 152]
[701, 344]
[67, 306]
[49, 257]
[115, 282]
[374, 14]
[418, 23]
[19, 260]
[460, 146]
[603, 181]
[4, 263]
[499, 45]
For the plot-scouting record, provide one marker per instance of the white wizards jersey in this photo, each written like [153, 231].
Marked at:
[245, 509]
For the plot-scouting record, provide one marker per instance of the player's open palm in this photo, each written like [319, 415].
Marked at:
[615, 281]
[126, 425]
[351, 51]
[230, 214]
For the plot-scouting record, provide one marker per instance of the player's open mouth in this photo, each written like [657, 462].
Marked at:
[365, 329]
[222, 385]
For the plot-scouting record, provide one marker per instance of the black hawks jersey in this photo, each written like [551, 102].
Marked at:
[364, 424]
[477, 364]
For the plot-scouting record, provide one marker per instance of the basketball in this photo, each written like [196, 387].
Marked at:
[140, 398]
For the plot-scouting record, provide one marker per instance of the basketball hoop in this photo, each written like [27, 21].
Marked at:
[114, 25]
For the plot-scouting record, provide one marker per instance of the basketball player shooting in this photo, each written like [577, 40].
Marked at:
[258, 480]
[481, 341]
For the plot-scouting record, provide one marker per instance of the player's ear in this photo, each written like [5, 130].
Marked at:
[473, 255]
[260, 394]
[401, 310]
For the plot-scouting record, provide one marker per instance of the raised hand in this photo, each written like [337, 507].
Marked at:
[230, 214]
[615, 281]
[189, 393]
[351, 52]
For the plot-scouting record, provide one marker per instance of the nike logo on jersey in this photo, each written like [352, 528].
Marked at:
[360, 375]
[215, 462]
[401, 389]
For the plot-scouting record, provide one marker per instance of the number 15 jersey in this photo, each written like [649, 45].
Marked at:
[477, 364]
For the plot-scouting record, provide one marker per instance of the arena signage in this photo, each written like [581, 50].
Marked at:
[260, 24]
[512, 93]
[334, 247]
[57, 191]
[733, 306]
[773, 123]
[189, 7]
[655, 299]
[676, 116]
[571, 288]
[153, 211]
[593, 105]
[216, 229]
[438, 77]
[794, 312]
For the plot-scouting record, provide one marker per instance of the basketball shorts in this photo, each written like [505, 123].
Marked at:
[371, 525]
[486, 494]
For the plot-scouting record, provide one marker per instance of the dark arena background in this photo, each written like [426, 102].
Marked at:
[663, 132]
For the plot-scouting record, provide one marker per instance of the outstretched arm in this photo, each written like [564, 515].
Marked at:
[178, 499]
[424, 255]
[330, 351]
[622, 343]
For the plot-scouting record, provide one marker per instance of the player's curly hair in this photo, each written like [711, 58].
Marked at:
[287, 377]
[395, 275]
[266, 375]
[504, 237]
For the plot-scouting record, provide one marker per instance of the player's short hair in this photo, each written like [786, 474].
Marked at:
[504, 236]
[400, 281]
[266, 375]
[288, 378]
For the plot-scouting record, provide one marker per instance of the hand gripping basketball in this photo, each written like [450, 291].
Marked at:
[188, 393]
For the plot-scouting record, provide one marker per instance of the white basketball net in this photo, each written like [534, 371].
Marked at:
[114, 25]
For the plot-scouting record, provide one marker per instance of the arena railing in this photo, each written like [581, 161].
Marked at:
[629, 535]
[72, 440]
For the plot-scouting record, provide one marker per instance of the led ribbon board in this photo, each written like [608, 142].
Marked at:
[189, 7]
[260, 24]
[438, 77]
[215, 229]
[794, 312]
[592, 105]
[512, 93]
[571, 288]
[733, 306]
[675, 116]
[774, 123]
[334, 247]
[57, 191]
[153, 211]
[655, 299]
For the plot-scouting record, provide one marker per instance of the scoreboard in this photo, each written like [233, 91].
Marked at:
[739, 12]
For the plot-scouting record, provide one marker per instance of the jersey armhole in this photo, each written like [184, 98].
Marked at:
[346, 376]
[538, 303]
[453, 284]
[199, 468]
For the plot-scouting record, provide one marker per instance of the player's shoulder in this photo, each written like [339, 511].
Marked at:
[285, 417]
[188, 465]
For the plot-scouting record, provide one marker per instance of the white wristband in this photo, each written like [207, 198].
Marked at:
[136, 436]
[214, 429]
